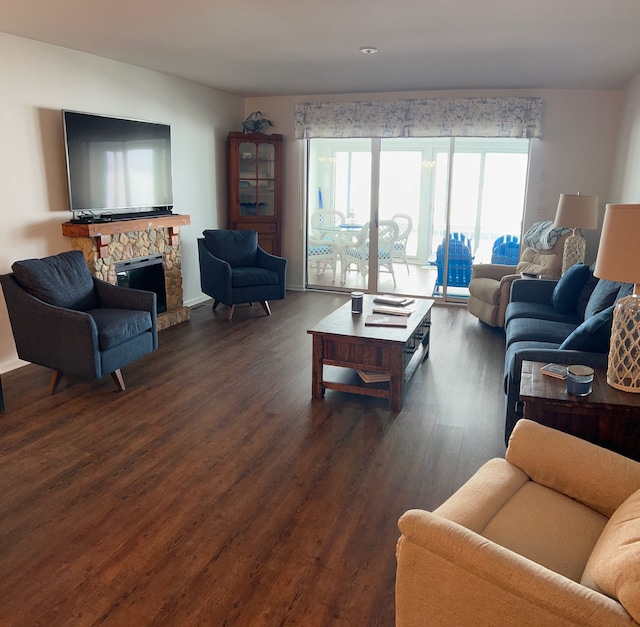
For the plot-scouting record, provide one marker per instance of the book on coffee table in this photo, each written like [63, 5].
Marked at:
[377, 320]
[388, 299]
[373, 377]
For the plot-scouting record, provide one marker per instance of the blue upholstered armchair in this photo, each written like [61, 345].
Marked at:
[234, 269]
[65, 319]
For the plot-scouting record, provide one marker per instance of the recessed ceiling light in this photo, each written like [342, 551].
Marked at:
[368, 49]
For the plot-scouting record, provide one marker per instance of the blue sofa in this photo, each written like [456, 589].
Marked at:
[566, 322]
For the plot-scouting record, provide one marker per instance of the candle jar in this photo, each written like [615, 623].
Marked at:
[579, 380]
[357, 299]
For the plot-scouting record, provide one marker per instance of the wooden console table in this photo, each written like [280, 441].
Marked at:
[607, 417]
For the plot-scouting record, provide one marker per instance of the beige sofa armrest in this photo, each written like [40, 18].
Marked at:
[490, 271]
[597, 477]
[505, 295]
[480, 498]
[448, 575]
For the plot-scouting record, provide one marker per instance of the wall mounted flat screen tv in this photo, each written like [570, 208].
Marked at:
[116, 165]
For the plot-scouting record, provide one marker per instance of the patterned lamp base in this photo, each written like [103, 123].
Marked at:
[623, 370]
[574, 249]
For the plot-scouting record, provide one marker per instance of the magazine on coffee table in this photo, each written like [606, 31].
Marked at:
[393, 311]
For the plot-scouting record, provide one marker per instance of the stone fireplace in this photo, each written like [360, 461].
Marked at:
[106, 244]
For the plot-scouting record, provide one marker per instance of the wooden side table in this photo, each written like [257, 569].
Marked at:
[607, 417]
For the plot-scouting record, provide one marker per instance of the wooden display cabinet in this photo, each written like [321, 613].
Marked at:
[255, 186]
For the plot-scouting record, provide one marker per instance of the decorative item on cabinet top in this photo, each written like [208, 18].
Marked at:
[256, 123]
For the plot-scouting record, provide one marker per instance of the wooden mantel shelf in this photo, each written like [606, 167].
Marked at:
[101, 229]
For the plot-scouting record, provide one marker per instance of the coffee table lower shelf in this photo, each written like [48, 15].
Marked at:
[348, 380]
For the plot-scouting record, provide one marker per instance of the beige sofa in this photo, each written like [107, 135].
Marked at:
[548, 536]
[491, 283]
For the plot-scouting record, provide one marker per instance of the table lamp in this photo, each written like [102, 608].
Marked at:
[618, 260]
[576, 211]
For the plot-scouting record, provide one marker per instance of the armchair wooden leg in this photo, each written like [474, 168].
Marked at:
[215, 304]
[230, 312]
[265, 306]
[56, 376]
[116, 375]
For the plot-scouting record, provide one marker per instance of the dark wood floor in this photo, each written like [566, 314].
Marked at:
[214, 491]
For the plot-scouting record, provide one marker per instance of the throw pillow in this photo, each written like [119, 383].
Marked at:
[585, 296]
[593, 335]
[613, 567]
[62, 280]
[566, 292]
[603, 296]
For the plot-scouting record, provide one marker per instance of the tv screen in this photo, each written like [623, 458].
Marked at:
[116, 164]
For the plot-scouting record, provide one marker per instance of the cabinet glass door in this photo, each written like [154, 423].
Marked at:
[266, 179]
[257, 179]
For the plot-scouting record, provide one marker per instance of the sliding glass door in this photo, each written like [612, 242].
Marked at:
[390, 206]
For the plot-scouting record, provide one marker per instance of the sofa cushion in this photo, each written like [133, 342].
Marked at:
[566, 292]
[251, 277]
[614, 565]
[539, 311]
[592, 335]
[603, 296]
[62, 280]
[238, 248]
[533, 523]
[530, 329]
[116, 326]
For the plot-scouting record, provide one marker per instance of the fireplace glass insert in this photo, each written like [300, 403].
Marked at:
[144, 273]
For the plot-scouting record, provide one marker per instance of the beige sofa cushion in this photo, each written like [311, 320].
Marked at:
[614, 565]
[533, 523]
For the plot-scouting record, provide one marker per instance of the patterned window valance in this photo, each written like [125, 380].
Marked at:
[430, 117]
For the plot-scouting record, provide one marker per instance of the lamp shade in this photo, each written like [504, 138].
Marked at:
[577, 211]
[618, 258]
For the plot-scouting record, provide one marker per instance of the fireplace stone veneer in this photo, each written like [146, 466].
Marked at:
[105, 244]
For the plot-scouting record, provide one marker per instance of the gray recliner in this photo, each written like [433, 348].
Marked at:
[65, 319]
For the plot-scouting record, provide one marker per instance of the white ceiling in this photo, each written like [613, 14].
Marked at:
[281, 47]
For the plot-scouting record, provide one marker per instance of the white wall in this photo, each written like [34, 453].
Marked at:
[38, 80]
[625, 182]
[574, 155]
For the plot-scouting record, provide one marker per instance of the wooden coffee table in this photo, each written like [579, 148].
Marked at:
[343, 344]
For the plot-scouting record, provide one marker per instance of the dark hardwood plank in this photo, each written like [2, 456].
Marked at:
[215, 491]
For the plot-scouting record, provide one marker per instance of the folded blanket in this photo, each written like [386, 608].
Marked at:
[544, 235]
